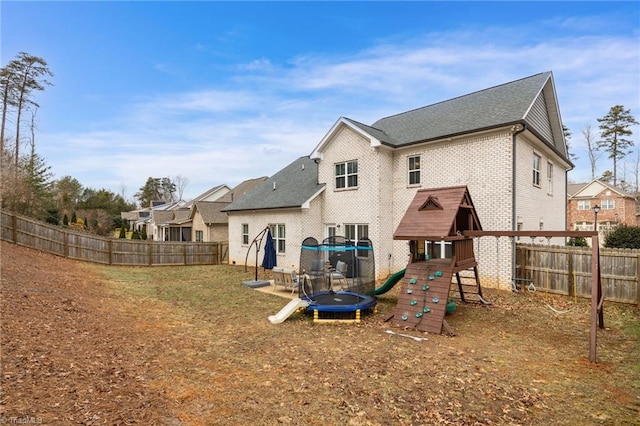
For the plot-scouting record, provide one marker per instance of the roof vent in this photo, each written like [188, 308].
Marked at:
[431, 204]
[303, 167]
[274, 186]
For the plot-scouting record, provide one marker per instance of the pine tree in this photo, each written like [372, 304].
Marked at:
[614, 127]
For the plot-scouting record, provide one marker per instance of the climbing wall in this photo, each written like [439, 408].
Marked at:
[422, 300]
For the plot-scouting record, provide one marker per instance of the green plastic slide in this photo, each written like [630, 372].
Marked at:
[390, 282]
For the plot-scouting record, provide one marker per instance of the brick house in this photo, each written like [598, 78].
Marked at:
[616, 207]
[504, 143]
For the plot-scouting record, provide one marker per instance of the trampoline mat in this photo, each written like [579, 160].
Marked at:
[338, 299]
[339, 302]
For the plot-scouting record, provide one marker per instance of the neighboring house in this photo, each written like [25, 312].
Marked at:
[213, 194]
[504, 143]
[161, 216]
[616, 207]
[173, 222]
[209, 222]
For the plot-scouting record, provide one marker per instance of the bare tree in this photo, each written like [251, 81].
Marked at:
[592, 149]
[181, 183]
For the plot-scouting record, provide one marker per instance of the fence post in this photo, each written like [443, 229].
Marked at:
[65, 243]
[638, 283]
[570, 276]
[150, 251]
[14, 223]
[110, 249]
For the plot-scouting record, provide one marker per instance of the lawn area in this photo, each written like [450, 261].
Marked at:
[91, 344]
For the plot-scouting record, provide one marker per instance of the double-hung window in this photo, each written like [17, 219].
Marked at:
[607, 204]
[245, 233]
[414, 170]
[199, 236]
[536, 170]
[584, 205]
[346, 174]
[278, 234]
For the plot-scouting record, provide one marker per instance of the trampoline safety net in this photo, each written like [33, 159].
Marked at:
[337, 265]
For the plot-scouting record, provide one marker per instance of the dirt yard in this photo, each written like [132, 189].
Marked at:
[96, 345]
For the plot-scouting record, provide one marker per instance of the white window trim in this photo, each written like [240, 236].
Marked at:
[588, 203]
[345, 176]
[610, 204]
[536, 172]
[242, 234]
[411, 171]
[549, 178]
[275, 234]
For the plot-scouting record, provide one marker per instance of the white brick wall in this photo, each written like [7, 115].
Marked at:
[300, 223]
[482, 162]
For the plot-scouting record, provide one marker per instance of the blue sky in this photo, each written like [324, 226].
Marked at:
[219, 92]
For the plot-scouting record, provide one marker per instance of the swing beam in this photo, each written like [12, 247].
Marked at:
[597, 297]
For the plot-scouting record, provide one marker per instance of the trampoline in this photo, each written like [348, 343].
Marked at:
[338, 278]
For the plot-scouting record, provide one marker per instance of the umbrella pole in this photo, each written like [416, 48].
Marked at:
[257, 250]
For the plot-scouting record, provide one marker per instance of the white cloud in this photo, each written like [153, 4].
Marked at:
[271, 114]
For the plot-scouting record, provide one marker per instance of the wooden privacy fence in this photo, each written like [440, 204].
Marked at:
[567, 270]
[77, 245]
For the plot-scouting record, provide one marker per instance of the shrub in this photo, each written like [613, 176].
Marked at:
[578, 242]
[123, 233]
[623, 237]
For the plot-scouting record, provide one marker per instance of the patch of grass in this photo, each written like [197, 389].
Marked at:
[515, 362]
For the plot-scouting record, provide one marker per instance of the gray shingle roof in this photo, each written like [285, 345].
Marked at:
[242, 189]
[211, 211]
[485, 109]
[294, 185]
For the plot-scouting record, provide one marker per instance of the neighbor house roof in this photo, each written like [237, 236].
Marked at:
[529, 101]
[292, 187]
[211, 211]
[594, 188]
[242, 189]
[181, 216]
[162, 216]
[212, 194]
[573, 188]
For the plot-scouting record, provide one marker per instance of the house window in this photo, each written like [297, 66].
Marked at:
[536, 170]
[199, 236]
[245, 233]
[278, 234]
[414, 170]
[583, 226]
[441, 249]
[584, 205]
[607, 204]
[347, 174]
[549, 178]
[355, 232]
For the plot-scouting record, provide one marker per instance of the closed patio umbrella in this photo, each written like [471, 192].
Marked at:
[269, 260]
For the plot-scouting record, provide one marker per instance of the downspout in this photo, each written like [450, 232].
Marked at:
[517, 129]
